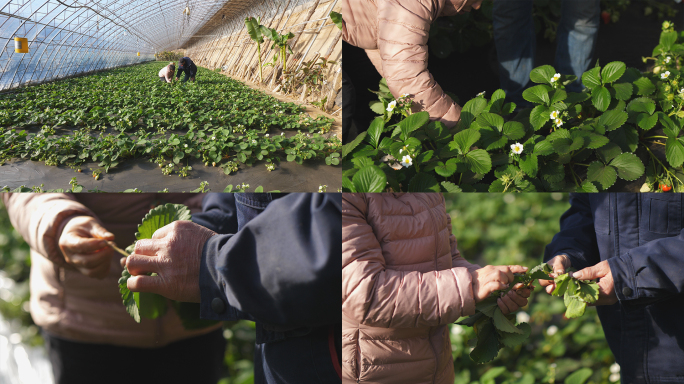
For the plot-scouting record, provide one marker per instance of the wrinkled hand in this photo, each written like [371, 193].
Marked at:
[84, 245]
[493, 278]
[606, 284]
[559, 264]
[174, 253]
[515, 299]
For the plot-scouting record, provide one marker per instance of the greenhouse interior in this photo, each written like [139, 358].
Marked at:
[85, 106]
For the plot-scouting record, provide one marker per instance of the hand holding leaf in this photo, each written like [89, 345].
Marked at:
[606, 285]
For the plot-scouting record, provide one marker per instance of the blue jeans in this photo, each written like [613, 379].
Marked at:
[516, 42]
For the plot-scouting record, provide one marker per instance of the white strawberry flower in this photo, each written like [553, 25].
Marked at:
[390, 106]
[406, 161]
[559, 123]
[517, 148]
[483, 93]
[556, 77]
[552, 330]
[555, 115]
[665, 75]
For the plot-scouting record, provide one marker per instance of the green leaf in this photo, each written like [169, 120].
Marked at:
[623, 91]
[423, 182]
[492, 374]
[609, 151]
[159, 217]
[543, 74]
[591, 78]
[587, 291]
[539, 116]
[670, 128]
[644, 86]
[370, 179]
[150, 305]
[642, 104]
[479, 161]
[470, 111]
[674, 152]
[377, 107]
[487, 347]
[451, 187]
[601, 173]
[667, 40]
[412, 123]
[336, 18]
[629, 166]
[558, 96]
[127, 296]
[575, 307]
[626, 137]
[597, 141]
[541, 271]
[613, 71]
[375, 130]
[647, 122]
[513, 130]
[512, 340]
[487, 119]
[539, 94]
[446, 170]
[600, 97]
[579, 376]
[349, 147]
[471, 320]
[254, 30]
[502, 323]
[530, 165]
[487, 306]
[465, 139]
[588, 187]
[613, 119]
[561, 284]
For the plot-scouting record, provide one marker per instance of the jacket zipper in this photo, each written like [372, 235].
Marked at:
[436, 232]
[358, 358]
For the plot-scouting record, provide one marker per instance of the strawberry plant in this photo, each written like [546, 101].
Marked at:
[568, 142]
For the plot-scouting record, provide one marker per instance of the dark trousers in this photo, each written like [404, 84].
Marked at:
[195, 360]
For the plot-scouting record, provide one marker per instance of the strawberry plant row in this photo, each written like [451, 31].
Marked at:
[568, 141]
[128, 113]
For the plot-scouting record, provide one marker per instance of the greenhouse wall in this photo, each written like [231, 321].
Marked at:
[228, 46]
[71, 38]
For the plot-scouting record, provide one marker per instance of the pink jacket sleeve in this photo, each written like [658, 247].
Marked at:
[375, 296]
[403, 30]
[40, 218]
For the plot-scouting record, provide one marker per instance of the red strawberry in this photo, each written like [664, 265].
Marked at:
[605, 15]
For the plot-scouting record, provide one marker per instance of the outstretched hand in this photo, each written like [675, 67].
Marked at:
[174, 253]
[606, 283]
[84, 245]
[496, 277]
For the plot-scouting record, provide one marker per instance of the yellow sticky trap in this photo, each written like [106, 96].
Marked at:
[138, 53]
[20, 45]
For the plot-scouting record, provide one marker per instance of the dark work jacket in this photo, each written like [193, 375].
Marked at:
[641, 237]
[189, 68]
[278, 264]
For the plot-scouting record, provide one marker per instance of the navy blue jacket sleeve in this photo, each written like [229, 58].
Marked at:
[651, 272]
[218, 213]
[282, 268]
[577, 236]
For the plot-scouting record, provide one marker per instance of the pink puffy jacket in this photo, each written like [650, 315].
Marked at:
[71, 305]
[394, 34]
[403, 281]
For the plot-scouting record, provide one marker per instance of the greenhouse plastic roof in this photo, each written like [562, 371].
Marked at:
[68, 37]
